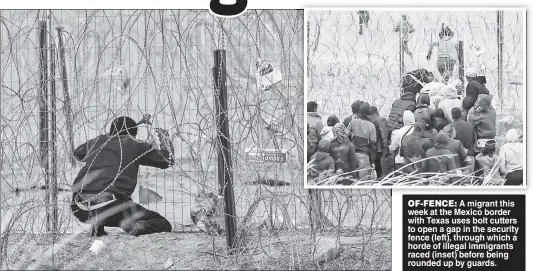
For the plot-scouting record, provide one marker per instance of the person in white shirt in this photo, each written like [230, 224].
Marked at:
[511, 154]
[327, 131]
[451, 101]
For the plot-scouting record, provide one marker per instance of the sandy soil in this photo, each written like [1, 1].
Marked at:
[193, 251]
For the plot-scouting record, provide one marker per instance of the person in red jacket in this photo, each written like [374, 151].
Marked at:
[101, 192]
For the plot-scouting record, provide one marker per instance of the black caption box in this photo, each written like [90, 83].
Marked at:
[470, 232]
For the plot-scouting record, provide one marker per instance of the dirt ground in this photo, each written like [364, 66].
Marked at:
[287, 251]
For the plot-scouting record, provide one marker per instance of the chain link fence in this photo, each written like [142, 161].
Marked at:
[136, 62]
[345, 66]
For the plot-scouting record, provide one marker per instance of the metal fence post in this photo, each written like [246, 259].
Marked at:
[225, 170]
[43, 110]
[53, 131]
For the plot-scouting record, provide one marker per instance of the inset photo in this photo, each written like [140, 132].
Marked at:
[416, 97]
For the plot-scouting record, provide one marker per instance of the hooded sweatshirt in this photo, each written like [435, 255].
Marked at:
[441, 158]
[484, 119]
[327, 133]
[474, 88]
[464, 132]
[451, 100]
[405, 102]
[322, 160]
[424, 113]
[112, 164]
[398, 135]
[511, 153]
[415, 147]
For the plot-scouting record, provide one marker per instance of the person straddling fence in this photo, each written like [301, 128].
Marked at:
[511, 155]
[103, 187]
[362, 133]
[448, 48]
[464, 132]
[405, 28]
[342, 151]
[382, 142]
[395, 158]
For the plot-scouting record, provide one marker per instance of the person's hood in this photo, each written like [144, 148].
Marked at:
[449, 92]
[314, 115]
[408, 96]
[441, 141]
[320, 155]
[327, 129]
[512, 136]
[323, 146]
[408, 118]
[483, 100]
[480, 79]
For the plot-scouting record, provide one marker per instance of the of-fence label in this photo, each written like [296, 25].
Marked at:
[266, 155]
[470, 232]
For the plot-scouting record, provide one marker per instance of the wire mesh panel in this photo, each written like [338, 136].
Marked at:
[346, 65]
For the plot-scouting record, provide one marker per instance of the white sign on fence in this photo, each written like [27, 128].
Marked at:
[266, 155]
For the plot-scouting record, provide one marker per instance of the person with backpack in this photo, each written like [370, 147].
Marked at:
[396, 159]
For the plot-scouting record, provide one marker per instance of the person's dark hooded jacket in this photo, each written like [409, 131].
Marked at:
[321, 160]
[405, 102]
[423, 112]
[440, 158]
[415, 146]
[466, 134]
[343, 154]
[112, 164]
[484, 121]
[474, 88]
[439, 120]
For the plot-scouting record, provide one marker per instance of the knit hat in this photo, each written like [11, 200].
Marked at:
[471, 72]
[424, 99]
[490, 147]
[441, 140]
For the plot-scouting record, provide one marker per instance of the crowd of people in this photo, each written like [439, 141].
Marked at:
[431, 131]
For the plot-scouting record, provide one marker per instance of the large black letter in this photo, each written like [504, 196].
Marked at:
[228, 10]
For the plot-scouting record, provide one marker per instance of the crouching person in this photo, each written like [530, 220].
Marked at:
[102, 189]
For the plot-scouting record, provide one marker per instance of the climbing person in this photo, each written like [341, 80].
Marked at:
[364, 18]
[405, 28]
[101, 192]
[447, 57]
